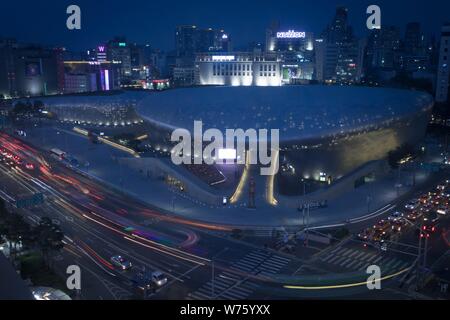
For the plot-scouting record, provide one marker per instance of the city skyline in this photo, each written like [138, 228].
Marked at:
[155, 23]
[225, 151]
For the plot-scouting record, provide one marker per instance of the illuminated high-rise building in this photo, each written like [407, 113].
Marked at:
[443, 72]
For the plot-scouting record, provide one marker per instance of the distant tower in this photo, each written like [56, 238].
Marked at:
[271, 33]
[414, 39]
[443, 66]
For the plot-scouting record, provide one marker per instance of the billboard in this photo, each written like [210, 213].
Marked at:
[290, 72]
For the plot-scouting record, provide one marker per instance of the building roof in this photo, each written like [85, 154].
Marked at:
[297, 111]
[12, 286]
[90, 100]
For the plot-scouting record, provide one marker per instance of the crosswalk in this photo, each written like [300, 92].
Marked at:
[356, 259]
[117, 292]
[236, 284]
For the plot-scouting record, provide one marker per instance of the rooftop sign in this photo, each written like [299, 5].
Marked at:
[291, 34]
[223, 58]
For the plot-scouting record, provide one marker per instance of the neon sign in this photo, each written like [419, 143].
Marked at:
[291, 34]
[223, 58]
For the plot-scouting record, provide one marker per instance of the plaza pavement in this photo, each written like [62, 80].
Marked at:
[104, 166]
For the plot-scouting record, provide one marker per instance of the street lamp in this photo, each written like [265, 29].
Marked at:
[423, 233]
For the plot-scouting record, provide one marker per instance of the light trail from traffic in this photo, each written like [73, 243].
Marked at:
[348, 285]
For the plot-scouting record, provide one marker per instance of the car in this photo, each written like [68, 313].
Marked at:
[143, 281]
[446, 194]
[383, 246]
[395, 216]
[159, 278]
[442, 211]
[433, 217]
[413, 215]
[430, 228]
[365, 234]
[29, 166]
[433, 194]
[424, 199]
[426, 208]
[398, 225]
[436, 200]
[412, 205]
[120, 262]
[382, 225]
[379, 236]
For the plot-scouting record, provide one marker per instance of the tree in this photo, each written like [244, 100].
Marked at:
[49, 238]
[4, 226]
[15, 229]
[20, 232]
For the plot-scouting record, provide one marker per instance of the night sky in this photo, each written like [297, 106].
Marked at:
[153, 22]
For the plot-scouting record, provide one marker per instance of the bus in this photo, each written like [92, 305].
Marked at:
[59, 153]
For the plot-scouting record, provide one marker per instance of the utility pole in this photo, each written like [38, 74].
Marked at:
[304, 215]
[419, 256]
[212, 280]
[303, 204]
[419, 251]
[425, 251]
[307, 223]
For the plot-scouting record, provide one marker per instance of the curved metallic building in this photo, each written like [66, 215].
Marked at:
[105, 110]
[331, 130]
